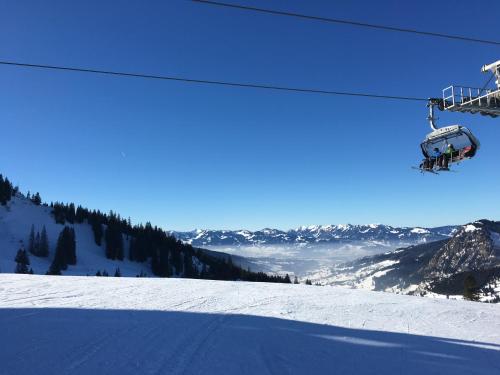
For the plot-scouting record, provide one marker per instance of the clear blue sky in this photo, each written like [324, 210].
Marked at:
[193, 156]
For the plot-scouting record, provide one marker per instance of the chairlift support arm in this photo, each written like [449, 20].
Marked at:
[475, 100]
[432, 118]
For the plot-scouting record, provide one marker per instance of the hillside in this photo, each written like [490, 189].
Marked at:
[16, 219]
[90, 325]
[100, 243]
[440, 267]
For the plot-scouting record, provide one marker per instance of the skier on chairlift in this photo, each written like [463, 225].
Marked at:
[448, 156]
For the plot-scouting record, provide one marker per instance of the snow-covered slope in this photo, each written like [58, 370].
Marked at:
[15, 223]
[90, 325]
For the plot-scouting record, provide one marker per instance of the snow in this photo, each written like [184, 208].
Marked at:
[343, 227]
[470, 228]
[419, 230]
[244, 233]
[85, 325]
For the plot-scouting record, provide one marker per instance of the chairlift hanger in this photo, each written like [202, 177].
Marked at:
[455, 143]
[447, 145]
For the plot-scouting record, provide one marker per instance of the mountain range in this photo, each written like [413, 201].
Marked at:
[315, 234]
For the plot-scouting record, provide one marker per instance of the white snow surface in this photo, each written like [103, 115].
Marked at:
[98, 325]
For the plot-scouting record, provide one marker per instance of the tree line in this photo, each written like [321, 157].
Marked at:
[167, 255]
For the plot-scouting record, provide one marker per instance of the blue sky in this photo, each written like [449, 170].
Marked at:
[195, 156]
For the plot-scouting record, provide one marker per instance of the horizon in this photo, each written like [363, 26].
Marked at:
[299, 227]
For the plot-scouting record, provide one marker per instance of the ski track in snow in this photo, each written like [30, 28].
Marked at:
[85, 325]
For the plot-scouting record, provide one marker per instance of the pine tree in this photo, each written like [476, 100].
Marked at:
[65, 249]
[287, 279]
[97, 230]
[54, 269]
[71, 214]
[114, 241]
[31, 240]
[295, 280]
[6, 190]
[36, 199]
[60, 257]
[71, 249]
[60, 212]
[37, 244]
[22, 257]
[80, 214]
[22, 261]
[118, 273]
[470, 288]
[132, 250]
[21, 268]
[308, 282]
[105, 273]
[44, 244]
[3, 195]
[98, 273]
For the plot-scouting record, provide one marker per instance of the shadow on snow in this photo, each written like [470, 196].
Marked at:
[84, 341]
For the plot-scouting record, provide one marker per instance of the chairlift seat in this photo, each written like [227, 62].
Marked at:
[462, 139]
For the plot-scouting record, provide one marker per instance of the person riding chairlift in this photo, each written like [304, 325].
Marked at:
[430, 161]
[436, 157]
[448, 155]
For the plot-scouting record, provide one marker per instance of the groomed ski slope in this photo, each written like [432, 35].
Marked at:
[97, 325]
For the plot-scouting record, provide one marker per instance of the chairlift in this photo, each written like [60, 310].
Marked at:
[455, 143]
[447, 145]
